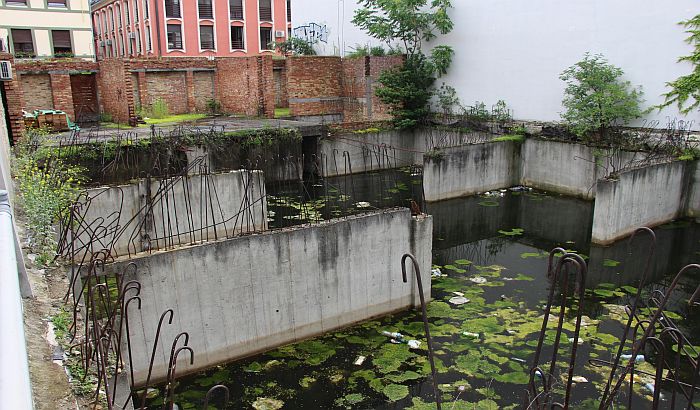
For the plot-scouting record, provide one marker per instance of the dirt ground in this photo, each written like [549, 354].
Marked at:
[49, 380]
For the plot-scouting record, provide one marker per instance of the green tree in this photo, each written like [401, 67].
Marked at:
[408, 88]
[597, 98]
[685, 91]
[296, 46]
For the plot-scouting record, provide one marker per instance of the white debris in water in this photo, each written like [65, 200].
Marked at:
[478, 279]
[436, 272]
[580, 341]
[579, 379]
[458, 300]
[363, 204]
[471, 335]
[458, 293]
[359, 360]
[414, 344]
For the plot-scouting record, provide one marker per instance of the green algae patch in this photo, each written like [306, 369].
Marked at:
[391, 356]
[265, 403]
[395, 392]
[307, 381]
[512, 232]
[350, 400]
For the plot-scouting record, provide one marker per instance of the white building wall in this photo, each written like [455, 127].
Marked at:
[514, 50]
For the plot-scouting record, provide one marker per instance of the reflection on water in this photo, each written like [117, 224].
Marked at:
[503, 240]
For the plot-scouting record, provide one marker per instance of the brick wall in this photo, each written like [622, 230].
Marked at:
[244, 85]
[116, 90]
[203, 89]
[329, 85]
[62, 94]
[314, 85]
[168, 86]
[36, 89]
[15, 99]
[280, 77]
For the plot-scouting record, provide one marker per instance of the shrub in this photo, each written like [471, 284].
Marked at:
[685, 90]
[159, 109]
[213, 106]
[296, 46]
[597, 99]
[47, 188]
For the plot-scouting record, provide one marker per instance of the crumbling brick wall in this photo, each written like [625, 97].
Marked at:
[116, 90]
[37, 92]
[244, 85]
[15, 100]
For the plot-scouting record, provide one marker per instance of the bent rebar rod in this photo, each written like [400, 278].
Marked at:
[424, 315]
[211, 392]
[153, 353]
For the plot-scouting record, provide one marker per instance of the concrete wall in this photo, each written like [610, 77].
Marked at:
[184, 210]
[369, 152]
[248, 294]
[559, 166]
[520, 58]
[470, 169]
[640, 197]
[693, 209]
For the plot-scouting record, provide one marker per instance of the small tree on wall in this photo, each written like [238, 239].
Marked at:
[407, 89]
[597, 98]
[685, 91]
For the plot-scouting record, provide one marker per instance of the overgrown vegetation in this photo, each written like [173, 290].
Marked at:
[597, 98]
[685, 90]
[47, 186]
[157, 110]
[375, 51]
[296, 46]
[407, 89]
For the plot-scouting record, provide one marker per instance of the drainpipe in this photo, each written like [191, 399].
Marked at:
[160, 48]
[15, 388]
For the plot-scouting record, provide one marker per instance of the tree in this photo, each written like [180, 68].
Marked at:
[685, 91]
[408, 88]
[296, 46]
[597, 98]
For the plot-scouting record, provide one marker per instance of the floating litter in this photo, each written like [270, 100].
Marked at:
[458, 300]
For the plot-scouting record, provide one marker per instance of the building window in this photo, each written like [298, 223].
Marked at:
[205, 9]
[265, 10]
[16, 2]
[172, 9]
[237, 41]
[111, 17]
[136, 10]
[145, 9]
[61, 42]
[236, 9]
[22, 42]
[126, 13]
[289, 11]
[206, 37]
[174, 37]
[57, 3]
[149, 44]
[138, 39]
[265, 38]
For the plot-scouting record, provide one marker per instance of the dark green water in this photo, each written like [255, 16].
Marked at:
[504, 240]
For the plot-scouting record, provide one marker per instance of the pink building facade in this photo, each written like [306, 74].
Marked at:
[189, 28]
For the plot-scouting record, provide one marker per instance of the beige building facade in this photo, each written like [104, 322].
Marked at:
[46, 28]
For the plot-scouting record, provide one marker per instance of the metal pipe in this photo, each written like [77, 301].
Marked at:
[15, 387]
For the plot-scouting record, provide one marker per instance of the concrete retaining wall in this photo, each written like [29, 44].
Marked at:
[183, 210]
[368, 152]
[558, 166]
[640, 197]
[248, 294]
[469, 169]
[693, 209]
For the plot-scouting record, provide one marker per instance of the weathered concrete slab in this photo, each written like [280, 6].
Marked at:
[248, 294]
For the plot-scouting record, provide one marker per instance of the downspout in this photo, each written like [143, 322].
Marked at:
[15, 387]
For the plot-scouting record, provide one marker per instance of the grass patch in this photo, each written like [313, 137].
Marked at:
[173, 118]
[282, 112]
[513, 137]
[113, 125]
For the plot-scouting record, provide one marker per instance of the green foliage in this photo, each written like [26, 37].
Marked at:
[500, 112]
[447, 99]
[596, 98]
[47, 188]
[159, 109]
[689, 154]
[408, 89]
[685, 90]
[213, 106]
[363, 51]
[105, 117]
[377, 51]
[296, 46]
